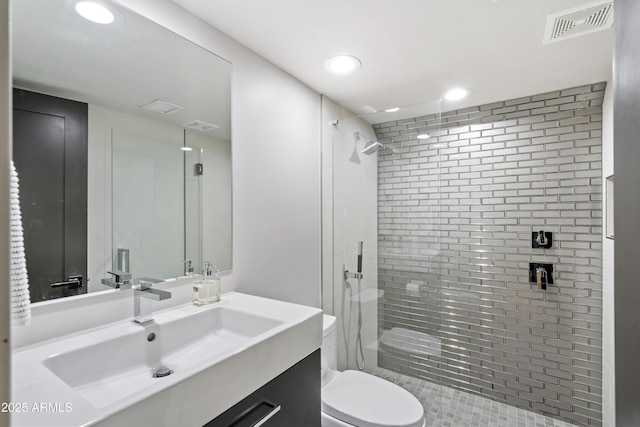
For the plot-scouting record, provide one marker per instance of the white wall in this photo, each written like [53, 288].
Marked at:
[608, 324]
[5, 137]
[349, 215]
[276, 166]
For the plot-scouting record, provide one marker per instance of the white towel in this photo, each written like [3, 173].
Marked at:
[20, 299]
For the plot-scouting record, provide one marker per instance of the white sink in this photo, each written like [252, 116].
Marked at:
[218, 354]
[115, 368]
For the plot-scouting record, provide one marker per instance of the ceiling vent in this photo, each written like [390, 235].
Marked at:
[200, 125]
[162, 107]
[578, 21]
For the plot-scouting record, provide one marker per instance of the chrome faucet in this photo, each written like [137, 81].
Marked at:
[119, 279]
[143, 293]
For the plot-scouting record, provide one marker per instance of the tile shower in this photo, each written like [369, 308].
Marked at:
[455, 217]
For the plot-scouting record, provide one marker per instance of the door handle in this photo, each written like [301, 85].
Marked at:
[268, 416]
[73, 282]
[256, 415]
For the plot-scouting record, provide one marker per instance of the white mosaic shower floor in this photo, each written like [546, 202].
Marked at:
[446, 407]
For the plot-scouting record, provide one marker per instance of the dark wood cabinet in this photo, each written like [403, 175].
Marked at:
[290, 399]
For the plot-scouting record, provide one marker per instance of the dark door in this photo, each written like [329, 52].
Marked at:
[50, 154]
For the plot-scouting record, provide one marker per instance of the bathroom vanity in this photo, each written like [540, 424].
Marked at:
[246, 358]
[291, 399]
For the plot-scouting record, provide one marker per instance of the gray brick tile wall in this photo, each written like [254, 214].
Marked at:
[456, 212]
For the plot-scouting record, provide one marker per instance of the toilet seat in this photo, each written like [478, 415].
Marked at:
[365, 400]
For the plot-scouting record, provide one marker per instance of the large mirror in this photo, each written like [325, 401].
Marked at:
[122, 143]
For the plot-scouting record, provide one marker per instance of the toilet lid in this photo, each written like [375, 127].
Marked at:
[365, 400]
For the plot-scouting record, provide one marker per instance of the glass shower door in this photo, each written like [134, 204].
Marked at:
[375, 192]
[354, 218]
[148, 204]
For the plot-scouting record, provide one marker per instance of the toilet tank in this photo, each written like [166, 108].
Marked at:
[329, 343]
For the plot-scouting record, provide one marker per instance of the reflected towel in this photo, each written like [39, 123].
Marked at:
[20, 299]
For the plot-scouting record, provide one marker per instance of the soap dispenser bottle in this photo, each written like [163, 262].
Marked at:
[206, 290]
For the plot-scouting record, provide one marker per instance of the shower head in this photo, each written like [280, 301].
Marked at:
[372, 147]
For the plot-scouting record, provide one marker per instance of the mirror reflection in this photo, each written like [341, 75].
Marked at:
[122, 143]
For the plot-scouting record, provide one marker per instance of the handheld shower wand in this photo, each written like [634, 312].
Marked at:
[357, 274]
[360, 363]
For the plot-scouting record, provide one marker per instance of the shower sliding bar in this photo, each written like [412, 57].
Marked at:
[356, 274]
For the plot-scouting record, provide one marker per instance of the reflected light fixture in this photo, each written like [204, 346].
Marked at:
[392, 110]
[185, 148]
[162, 107]
[456, 94]
[423, 136]
[95, 12]
[342, 65]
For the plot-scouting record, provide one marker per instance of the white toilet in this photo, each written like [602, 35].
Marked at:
[354, 398]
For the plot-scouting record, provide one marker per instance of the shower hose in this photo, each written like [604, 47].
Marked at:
[359, 360]
[359, 354]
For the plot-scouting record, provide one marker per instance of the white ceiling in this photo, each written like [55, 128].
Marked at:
[413, 50]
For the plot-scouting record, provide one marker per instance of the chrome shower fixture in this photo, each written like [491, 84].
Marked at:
[371, 146]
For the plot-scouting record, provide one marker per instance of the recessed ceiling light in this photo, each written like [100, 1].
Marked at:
[392, 110]
[95, 12]
[456, 94]
[423, 136]
[342, 65]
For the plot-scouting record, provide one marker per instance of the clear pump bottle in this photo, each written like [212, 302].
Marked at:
[206, 290]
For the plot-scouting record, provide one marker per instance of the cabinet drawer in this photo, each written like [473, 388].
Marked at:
[290, 399]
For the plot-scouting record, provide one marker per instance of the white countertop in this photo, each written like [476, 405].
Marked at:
[187, 397]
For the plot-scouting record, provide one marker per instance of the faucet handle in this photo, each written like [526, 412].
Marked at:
[142, 285]
[120, 276]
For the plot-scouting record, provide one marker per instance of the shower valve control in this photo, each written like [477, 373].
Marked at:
[541, 274]
[357, 274]
[541, 239]
[352, 275]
